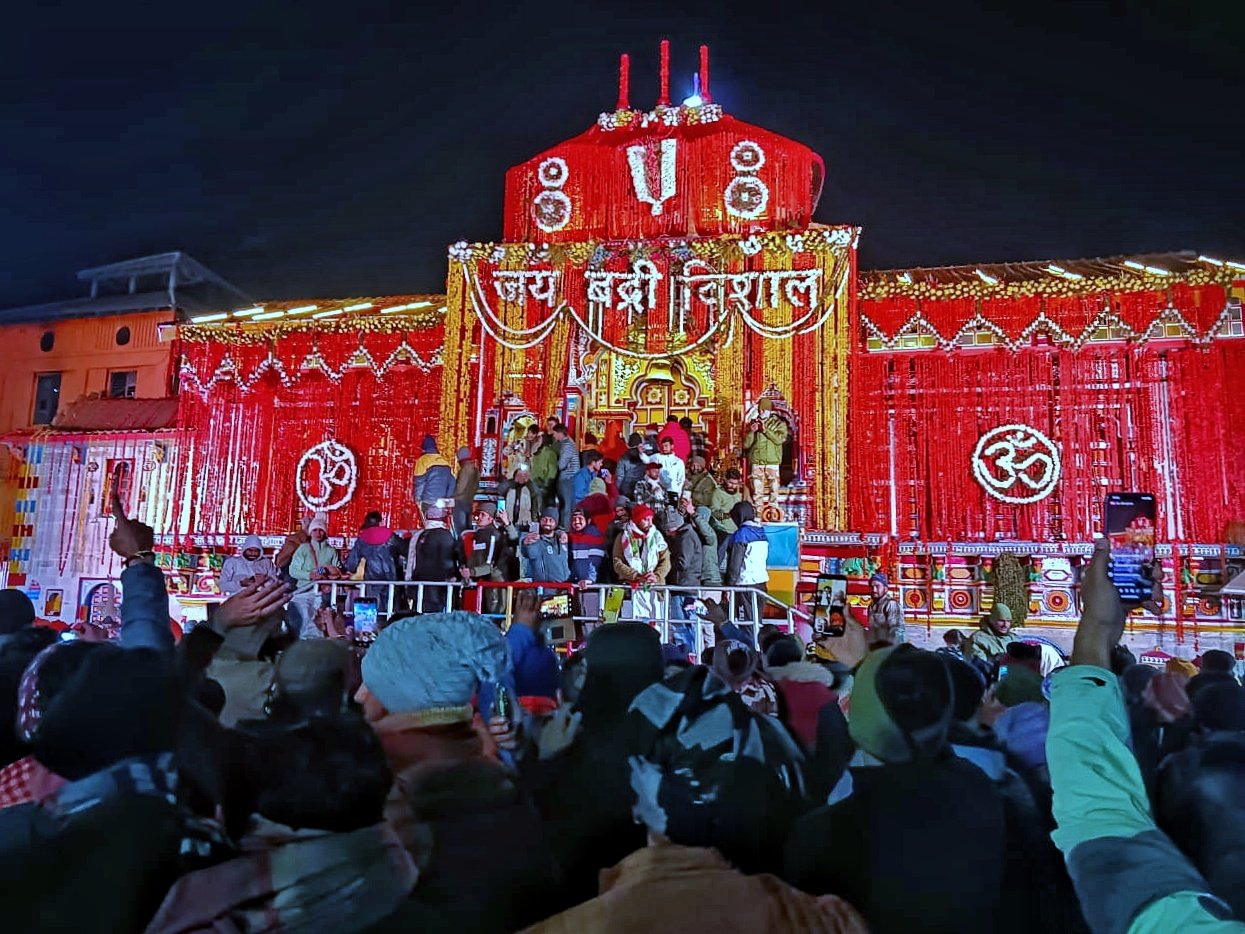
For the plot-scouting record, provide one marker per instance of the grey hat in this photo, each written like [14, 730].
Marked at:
[550, 512]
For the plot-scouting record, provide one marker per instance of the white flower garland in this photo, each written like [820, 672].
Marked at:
[338, 468]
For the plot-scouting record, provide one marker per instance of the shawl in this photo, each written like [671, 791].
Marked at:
[642, 549]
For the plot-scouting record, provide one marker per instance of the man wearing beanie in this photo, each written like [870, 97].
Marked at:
[886, 624]
[433, 557]
[919, 835]
[992, 637]
[452, 804]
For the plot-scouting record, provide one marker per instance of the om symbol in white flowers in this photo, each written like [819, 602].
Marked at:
[326, 476]
[1016, 464]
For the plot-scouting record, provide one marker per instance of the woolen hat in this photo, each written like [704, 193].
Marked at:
[880, 577]
[1181, 666]
[901, 704]
[550, 512]
[433, 664]
[486, 507]
[1022, 685]
[312, 667]
[319, 521]
[428, 445]
[641, 512]
[1000, 611]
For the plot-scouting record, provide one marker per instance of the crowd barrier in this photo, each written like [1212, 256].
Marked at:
[656, 604]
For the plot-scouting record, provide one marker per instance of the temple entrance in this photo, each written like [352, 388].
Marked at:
[627, 394]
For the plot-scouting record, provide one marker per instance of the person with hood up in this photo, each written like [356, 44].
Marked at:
[480, 849]
[465, 487]
[630, 467]
[641, 556]
[949, 873]
[247, 567]
[377, 549]
[315, 561]
[432, 479]
[748, 552]
[715, 786]
[590, 751]
[992, 637]
[886, 624]
[433, 557]
[1129, 875]
[699, 518]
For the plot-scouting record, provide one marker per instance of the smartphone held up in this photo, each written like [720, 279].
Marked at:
[1129, 524]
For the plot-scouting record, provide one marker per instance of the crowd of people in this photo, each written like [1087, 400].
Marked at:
[251, 775]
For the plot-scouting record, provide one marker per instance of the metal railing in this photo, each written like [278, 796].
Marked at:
[746, 607]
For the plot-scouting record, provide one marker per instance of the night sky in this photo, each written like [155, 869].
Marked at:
[331, 149]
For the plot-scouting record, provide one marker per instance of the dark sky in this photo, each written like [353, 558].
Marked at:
[329, 148]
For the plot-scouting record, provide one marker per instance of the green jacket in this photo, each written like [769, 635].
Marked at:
[1129, 876]
[545, 465]
[701, 488]
[764, 448]
[720, 507]
[710, 572]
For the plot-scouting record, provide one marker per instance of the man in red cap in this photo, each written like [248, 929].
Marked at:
[641, 556]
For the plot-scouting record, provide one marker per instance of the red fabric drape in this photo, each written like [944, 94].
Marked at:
[1158, 419]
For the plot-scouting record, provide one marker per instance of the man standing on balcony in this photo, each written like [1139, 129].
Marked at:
[482, 556]
[642, 558]
[763, 444]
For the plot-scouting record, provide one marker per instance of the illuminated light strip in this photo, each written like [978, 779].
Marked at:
[1142, 267]
[302, 309]
[409, 306]
[1211, 260]
[206, 319]
[247, 312]
[1060, 271]
[988, 280]
[269, 315]
[442, 308]
[329, 314]
[1236, 265]
[362, 306]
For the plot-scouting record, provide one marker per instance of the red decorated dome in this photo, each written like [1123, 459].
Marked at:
[676, 171]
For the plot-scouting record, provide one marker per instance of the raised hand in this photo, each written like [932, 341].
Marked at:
[252, 604]
[130, 537]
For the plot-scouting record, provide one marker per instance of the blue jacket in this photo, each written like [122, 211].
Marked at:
[535, 664]
[583, 485]
[548, 559]
[587, 554]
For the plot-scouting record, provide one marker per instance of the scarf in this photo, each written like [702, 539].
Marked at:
[27, 780]
[642, 549]
[293, 880]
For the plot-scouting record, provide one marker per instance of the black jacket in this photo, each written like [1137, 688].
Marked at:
[687, 557]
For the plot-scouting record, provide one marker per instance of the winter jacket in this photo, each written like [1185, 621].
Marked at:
[433, 556]
[652, 495]
[241, 672]
[747, 556]
[673, 470]
[312, 555]
[630, 469]
[545, 464]
[702, 486]
[682, 441]
[237, 569]
[484, 863]
[379, 549]
[986, 645]
[521, 505]
[671, 888]
[99, 856]
[946, 875]
[434, 478]
[468, 483]
[764, 448]
[886, 622]
[687, 556]
[710, 570]
[535, 664]
[629, 559]
[568, 457]
[583, 485]
[587, 554]
[805, 687]
[720, 507]
[487, 557]
[548, 558]
[1129, 876]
